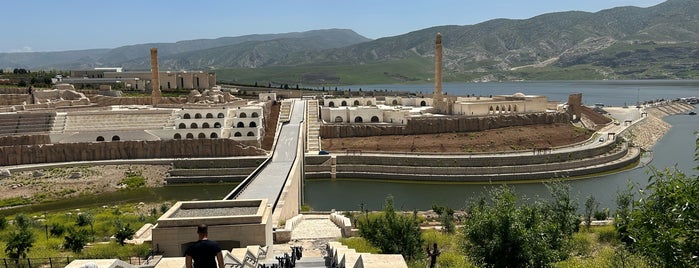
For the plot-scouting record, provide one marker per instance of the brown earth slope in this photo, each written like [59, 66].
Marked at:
[496, 140]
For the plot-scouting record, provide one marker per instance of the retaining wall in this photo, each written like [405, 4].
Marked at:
[68, 152]
[432, 125]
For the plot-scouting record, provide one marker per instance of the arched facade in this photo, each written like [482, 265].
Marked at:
[100, 138]
[375, 119]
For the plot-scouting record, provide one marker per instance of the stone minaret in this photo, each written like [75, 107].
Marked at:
[155, 80]
[438, 68]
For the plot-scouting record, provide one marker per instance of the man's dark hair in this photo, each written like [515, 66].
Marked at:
[202, 229]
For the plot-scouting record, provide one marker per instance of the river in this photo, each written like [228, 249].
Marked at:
[676, 148]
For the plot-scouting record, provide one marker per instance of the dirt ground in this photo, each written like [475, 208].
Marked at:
[495, 140]
[55, 183]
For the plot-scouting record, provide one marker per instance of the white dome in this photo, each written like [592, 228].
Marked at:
[519, 94]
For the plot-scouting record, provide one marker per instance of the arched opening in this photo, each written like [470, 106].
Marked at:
[100, 138]
[344, 103]
[186, 116]
[497, 109]
[358, 119]
[255, 115]
[253, 124]
[356, 103]
[197, 116]
[490, 110]
[338, 119]
[237, 134]
[368, 103]
[502, 109]
[423, 103]
[205, 125]
[209, 115]
[251, 134]
[193, 125]
[221, 115]
[214, 135]
[217, 125]
[177, 136]
[240, 124]
[243, 115]
[190, 136]
[394, 102]
[331, 104]
[182, 126]
[515, 108]
[374, 119]
[116, 138]
[202, 136]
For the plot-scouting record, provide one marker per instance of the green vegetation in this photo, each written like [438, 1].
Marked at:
[133, 180]
[392, 232]
[65, 233]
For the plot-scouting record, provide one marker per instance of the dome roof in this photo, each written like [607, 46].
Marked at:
[519, 94]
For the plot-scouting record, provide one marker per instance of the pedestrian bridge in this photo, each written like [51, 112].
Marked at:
[279, 178]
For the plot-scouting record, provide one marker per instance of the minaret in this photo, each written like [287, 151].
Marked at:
[438, 68]
[155, 77]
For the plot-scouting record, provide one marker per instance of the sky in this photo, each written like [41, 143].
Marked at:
[48, 25]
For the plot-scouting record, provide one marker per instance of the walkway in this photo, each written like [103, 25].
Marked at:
[270, 181]
[315, 227]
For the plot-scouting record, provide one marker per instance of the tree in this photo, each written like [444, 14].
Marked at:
[664, 221]
[123, 232]
[500, 233]
[446, 217]
[19, 242]
[392, 232]
[75, 240]
[590, 208]
[84, 219]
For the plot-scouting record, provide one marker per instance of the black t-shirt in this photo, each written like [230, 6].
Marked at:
[203, 253]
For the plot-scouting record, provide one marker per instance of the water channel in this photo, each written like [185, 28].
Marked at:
[676, 148]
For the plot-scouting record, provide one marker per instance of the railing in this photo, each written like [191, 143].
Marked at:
[36, 262]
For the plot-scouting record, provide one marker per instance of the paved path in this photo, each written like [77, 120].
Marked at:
[315, 227]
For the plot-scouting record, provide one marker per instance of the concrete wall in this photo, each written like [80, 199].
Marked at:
[50, 153]
[24, 140]
[429, 125]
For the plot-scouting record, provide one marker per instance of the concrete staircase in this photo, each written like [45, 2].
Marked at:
[285, 110]
[312, 127]
[59, 123]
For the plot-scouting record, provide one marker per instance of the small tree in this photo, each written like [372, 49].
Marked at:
[590, 208]
[123, 232]
[21, 241]
[391, 232]
[446, 217]
[75, 240]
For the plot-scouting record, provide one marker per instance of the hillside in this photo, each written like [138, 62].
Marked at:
[136, 56]
[658, 42]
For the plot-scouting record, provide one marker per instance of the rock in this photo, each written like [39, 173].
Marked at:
[37, 173]
[5, 173]
[76, 175]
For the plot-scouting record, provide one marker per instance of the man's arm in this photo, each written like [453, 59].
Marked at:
[219, 258]
[188, 261]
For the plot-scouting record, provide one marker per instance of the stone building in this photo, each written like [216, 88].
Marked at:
[141, 80]
[503, 104]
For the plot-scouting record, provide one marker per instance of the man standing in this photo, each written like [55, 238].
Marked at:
[203, 251]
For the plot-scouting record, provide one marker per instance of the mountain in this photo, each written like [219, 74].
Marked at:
[626, 42]
[137, 56]
[658, 42]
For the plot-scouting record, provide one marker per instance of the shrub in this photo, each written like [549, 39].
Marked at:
[133, 180]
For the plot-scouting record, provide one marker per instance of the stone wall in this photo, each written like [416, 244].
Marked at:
[107, 101]
[431, 125]
[49, 153]
[15, 99]
[24, 140]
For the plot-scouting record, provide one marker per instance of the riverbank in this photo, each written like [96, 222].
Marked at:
[648, 132]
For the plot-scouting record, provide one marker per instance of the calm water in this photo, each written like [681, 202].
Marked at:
[676, 148]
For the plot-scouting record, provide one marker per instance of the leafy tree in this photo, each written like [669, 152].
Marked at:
[665, 220]
[57, 229]
[446, 217]
[123, 232]
[22, 221]
[392, 232]
[3, 223]
[84, 219]
[590, 208]
[76, 240]
[501, 233]
[19, 242]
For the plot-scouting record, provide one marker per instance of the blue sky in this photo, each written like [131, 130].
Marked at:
[36, 25]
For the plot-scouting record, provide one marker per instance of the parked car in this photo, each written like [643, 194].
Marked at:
[601, 139]
[323, 152]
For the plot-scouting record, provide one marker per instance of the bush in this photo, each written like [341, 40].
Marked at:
[57, 229]
[360, 245]
[133, 180]
[392, 232]
[602, 215]
[606, 234]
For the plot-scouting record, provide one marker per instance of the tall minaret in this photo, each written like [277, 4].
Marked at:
[155, 77]
[438, 68]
